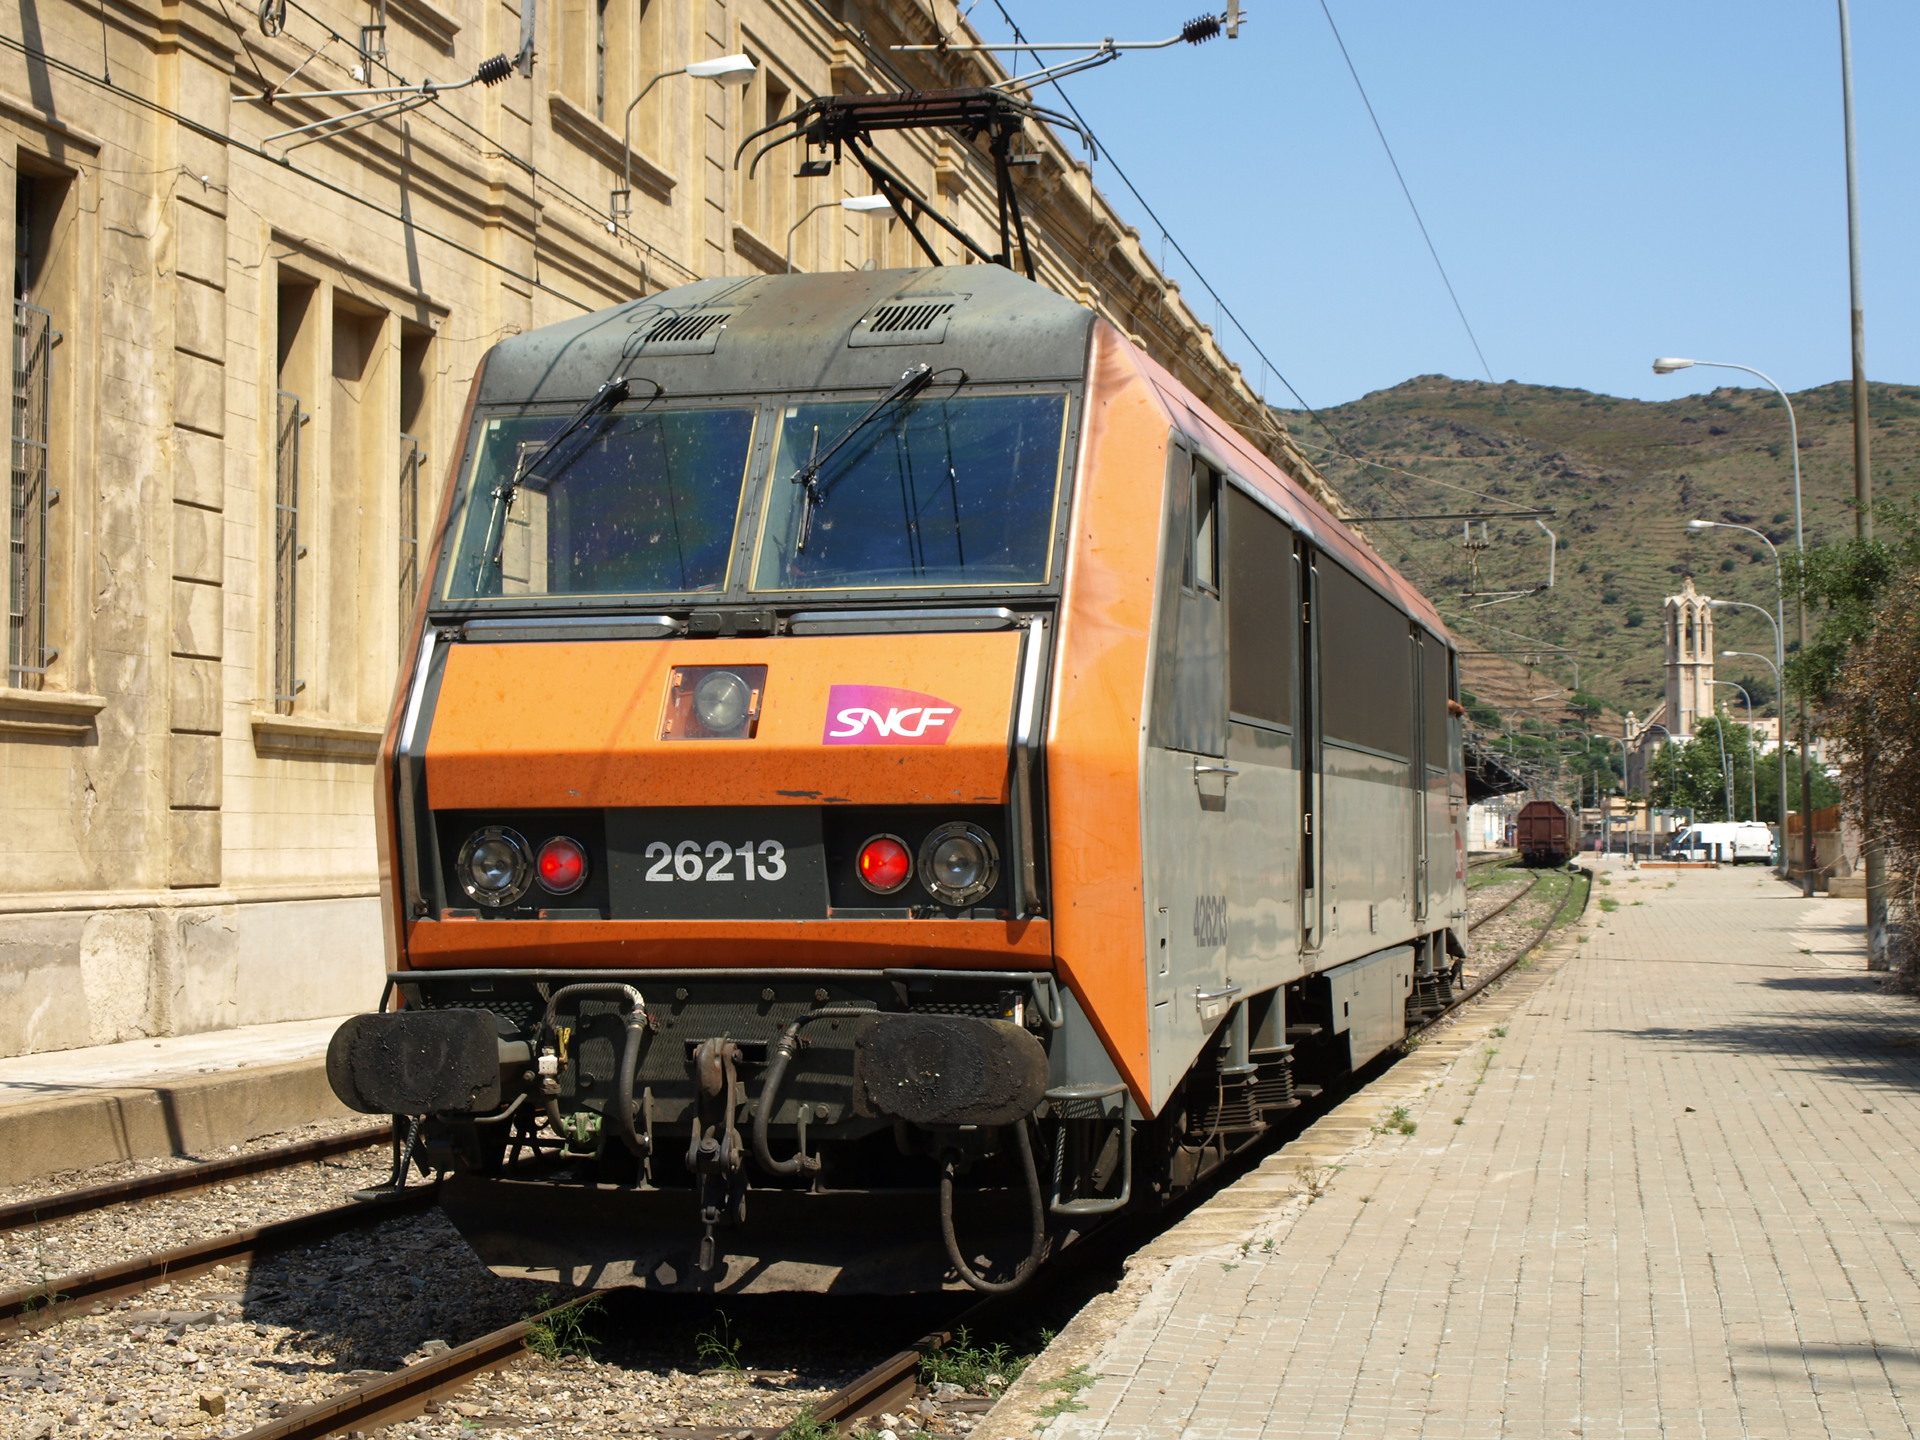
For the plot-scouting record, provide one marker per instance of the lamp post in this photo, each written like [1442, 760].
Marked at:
[1753, 771]
[1673, 776]
[853, 204]
[1605, 798]
[729, 70]
[1785, 865]
[1667, 366]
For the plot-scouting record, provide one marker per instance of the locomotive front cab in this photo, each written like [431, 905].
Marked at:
[715, 792]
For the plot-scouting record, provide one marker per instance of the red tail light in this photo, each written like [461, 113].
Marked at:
[562, 865]
[885, 864]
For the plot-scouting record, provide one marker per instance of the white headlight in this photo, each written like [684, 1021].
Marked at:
[959, 863]
[495, 866]
[721, 700]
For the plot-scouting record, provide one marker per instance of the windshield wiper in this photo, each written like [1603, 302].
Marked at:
[808, 475]
[611, 393]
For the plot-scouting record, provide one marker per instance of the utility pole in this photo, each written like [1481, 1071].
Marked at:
[1862, 483]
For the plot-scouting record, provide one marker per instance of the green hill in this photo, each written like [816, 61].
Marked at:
[1624, 477]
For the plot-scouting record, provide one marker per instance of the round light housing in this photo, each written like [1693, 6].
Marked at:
[495, 867]
[720, 701]
[562, 865]
[959, 863]
[885, 864]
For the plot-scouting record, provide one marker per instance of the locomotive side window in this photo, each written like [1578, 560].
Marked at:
[1203, 558]
[1261, 614]
[1434, 695]
[630, 503]
[1366, 682]
[1190, 662]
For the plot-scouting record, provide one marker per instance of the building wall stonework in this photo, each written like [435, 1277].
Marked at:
[259, 333]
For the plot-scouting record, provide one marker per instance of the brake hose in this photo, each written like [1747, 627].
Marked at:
[784, 1049]
[635, 1021]
[1036, 1207]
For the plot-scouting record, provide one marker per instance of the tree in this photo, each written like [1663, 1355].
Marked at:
[1863, 669]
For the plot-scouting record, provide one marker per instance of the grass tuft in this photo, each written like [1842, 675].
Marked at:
[716, 1346]
[565, 1332]
[968, 1365]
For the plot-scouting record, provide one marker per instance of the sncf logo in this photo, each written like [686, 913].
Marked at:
[882, 715]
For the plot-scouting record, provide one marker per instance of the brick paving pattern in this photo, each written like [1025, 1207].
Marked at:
[1679, 1203]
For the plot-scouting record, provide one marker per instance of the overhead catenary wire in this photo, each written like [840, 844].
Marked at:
[1407, 191]
[208, 132]
[1340, 442]
[488, 148]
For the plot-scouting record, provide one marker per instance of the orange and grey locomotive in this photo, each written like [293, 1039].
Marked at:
[884, 779]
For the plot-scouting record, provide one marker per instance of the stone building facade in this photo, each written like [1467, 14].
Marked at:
[243, 342]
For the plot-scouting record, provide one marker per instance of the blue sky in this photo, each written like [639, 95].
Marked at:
[1604, 182]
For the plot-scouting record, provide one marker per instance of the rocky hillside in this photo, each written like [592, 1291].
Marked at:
[1624, 477]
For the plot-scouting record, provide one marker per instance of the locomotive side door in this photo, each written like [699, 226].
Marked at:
[1307, 750]
[1187, 781]
[1419, 779]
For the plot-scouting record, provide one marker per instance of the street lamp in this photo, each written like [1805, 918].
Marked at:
[1753, 771]
[1673, 777]
[1667, 366]
[1786, 867]
[853, 204]
[732, 71]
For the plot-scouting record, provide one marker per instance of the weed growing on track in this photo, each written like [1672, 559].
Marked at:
[970, 1366]
[716, 1346]
[1609, 904]
[806, 1427]
[563, 1333]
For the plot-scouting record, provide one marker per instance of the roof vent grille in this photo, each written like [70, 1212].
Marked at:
[896, 319]
[685, 332]
[684, 327]
[919, 320]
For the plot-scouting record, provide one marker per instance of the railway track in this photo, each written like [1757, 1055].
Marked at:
[36, 1306]
[1582, 882]
[1507, 904]
[187, 1179]
[405, 1393]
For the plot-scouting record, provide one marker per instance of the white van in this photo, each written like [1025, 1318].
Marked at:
[1729, 841]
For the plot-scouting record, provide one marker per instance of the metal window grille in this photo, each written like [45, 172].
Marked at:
[286, 550]
[412, 457]
[28, 500]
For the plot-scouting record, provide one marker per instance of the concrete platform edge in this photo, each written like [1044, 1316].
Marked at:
[1257, 1209]
[198, 1116]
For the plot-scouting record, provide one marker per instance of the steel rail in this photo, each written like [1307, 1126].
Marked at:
[1507, 905]
[52, 1300]
[1514, 959]
[403, 1394]
[186, 1179]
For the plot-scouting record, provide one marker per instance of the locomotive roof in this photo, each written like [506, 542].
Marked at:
[847, 330]
[860, 330]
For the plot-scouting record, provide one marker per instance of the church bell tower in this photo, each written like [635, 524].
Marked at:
[1690, 652]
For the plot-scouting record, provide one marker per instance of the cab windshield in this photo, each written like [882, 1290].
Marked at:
[633, 503]
[950, 491]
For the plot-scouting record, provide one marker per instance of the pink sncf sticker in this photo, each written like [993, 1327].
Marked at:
[882, 715]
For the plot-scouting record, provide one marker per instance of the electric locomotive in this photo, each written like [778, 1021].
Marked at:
[884, 779]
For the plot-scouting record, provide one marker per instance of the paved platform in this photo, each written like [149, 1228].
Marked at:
[1663, 1185]
[182, 1095]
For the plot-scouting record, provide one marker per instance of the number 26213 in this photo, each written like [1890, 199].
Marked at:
[716, 860]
